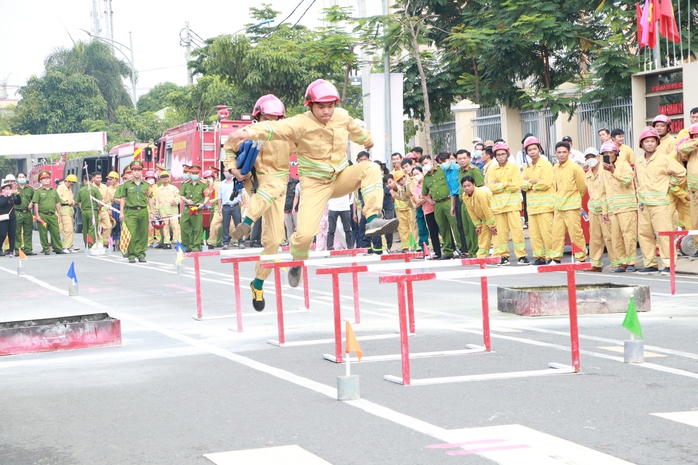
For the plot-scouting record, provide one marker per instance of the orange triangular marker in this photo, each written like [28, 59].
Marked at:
[22, 255]
[352, 343]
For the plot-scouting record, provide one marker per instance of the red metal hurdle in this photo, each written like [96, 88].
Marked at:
[355, 269]
[401, 281]
[673, 236]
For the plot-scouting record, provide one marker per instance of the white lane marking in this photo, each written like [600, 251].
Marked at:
[288, 455]
[539, 455]
[688, 418]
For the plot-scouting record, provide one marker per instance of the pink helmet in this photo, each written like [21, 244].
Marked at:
[500, 146]
[208, 174]
[609, 146]
[649, 132]
[682, 140]
[149, 174]
[321, 91]
[693, 130]
[661, 119]
[531, 141]
[269, 105]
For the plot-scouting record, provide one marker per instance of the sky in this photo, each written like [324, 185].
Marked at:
[32, 29]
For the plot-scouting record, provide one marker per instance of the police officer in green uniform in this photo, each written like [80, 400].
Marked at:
[47, 208]
[134, 212]
[25, 220]
[88, 207]
[468, 169]
[192, 194]
[436, 185]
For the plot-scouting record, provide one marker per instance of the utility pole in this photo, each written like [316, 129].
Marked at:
[188, 49]
[133, 71]
[111, 22]
[96, 29]
[365, 74]
[388, 99]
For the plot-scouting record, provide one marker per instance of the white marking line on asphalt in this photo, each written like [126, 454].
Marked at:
[688, 418]
[621, 350]
[288, 455]
[540, 455]
[652, 366]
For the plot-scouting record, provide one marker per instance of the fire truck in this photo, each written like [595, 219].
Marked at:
[56, 170]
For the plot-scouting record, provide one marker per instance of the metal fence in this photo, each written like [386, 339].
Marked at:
[591, 117]
[487, 125]
[542, 125]
[443, 137]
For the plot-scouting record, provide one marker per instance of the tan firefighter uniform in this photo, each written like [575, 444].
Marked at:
[540, 202]
[478, 206]
[505, 184]
[402, 199]
[267, 202]
[67, 215]
[104, 227]
[679, 208]
[599, 230]
[688, 151]
[626, 154]
[323, 168]
[167, 206]
[621, 201]
[655, 178]
[570, 188]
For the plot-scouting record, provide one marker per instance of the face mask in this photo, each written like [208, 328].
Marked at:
[446, 165]
[228, 176]
[194, 177]
[418, 177]
[426, 167]
[22, 181]
[592, 162]
[151, 181]
[477, 154]
[185, 176]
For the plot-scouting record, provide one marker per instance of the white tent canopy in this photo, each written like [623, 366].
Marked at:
[22, 146]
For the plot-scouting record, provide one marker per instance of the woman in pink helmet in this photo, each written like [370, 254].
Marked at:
[321, 135]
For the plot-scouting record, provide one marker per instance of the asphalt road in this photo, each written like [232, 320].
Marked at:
[178, 388]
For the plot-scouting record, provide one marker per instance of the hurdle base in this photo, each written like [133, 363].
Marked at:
[203, 318]
[471, 349]
[553, 369]
[313, 342]
[348, 387]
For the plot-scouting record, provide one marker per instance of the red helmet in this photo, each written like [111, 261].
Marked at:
[609, 146]
[661, 119]
[149, 174]
[693, 130]
[531, 141]
[269, 105]
[157, 222]
[649, 132]
[321, 91]
[500, 146]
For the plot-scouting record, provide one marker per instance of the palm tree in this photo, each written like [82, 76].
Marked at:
[95, 59]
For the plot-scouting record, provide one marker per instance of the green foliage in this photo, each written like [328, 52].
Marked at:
[94, 59]
[156, 98]
[57, 103]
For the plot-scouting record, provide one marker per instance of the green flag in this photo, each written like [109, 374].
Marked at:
[631, 321]
[203, 237]
[413, 243]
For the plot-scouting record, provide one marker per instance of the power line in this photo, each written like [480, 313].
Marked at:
[291, 14]
[306, 10]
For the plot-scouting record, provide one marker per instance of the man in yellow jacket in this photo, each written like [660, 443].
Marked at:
[656, 176]
[680, 206]
[599, 222]
[688, 150]
[621, 200]
[539, 184]
[267, 202]
[321, 135]
[65, 193]
[477, 202]
[504, 180]
[570, 188]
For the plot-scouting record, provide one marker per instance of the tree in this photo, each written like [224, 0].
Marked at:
[199, 101]
[404, 32]
[58, 103]
[156, 98]
[95, 59]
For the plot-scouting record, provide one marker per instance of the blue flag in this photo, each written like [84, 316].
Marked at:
[71, 272]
